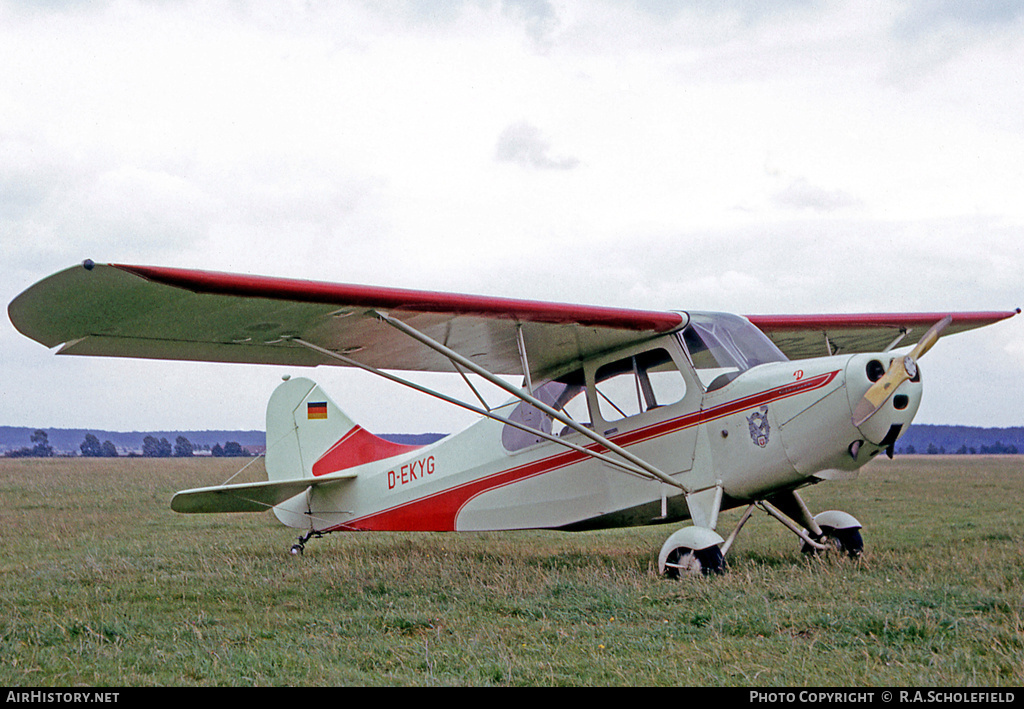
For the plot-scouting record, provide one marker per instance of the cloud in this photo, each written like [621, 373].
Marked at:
[930, 16]
[524, 144]
[539, 17]
[614, 153]
[801, 194]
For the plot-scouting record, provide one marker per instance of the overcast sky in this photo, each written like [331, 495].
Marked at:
[782, 157]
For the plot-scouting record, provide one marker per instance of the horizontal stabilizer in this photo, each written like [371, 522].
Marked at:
[248, 497]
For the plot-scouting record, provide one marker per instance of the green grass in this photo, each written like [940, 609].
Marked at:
[101, 584]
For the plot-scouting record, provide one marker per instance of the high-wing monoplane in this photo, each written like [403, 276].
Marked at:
[620, 418]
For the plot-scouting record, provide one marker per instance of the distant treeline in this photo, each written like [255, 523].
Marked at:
[46, 443]
[152, 447]
[924, 439]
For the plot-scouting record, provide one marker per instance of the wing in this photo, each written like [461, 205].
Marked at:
[802, 336]
[169, 313]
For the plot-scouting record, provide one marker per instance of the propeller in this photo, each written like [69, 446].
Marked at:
[901, 370]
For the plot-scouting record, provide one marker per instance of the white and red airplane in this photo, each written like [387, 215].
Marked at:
[623, 418]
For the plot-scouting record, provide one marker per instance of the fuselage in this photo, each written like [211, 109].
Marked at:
[753, 426]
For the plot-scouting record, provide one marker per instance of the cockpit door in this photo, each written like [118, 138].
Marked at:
[647, 399]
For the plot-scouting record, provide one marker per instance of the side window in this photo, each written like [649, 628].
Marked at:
[639, 383]
[566, 395]
[574, 406]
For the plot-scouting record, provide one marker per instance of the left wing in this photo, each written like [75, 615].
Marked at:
[172, 313]
[803, 336]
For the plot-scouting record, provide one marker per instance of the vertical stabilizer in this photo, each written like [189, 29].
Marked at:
[309, 436]
[302, 423]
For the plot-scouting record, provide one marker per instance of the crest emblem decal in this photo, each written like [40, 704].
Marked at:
[759, 429]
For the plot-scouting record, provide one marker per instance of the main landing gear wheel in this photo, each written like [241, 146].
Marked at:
[692, 551]
[688, 562]
[847, 541]
[840, 531]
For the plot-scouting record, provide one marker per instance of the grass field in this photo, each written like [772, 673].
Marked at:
[101, 584]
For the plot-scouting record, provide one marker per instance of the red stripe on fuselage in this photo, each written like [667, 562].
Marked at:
[438, 511]
[357, 447]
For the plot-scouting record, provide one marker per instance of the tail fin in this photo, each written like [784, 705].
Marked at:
[309, 436]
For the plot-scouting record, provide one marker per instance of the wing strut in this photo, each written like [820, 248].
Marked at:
[522, 356]
[621, 464]
[530, 399]
[899, 338]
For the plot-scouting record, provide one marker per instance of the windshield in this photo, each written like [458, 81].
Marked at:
[723, 346]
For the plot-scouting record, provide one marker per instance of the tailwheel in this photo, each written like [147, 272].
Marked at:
[689, 562]
[848, 541]
[300, 546]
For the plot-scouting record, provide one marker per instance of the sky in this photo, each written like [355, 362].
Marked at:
[784, 157]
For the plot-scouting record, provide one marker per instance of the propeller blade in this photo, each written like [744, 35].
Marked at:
[930, 337]
[901, 370]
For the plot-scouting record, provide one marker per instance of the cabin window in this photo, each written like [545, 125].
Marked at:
[566, 394]
[639, 383]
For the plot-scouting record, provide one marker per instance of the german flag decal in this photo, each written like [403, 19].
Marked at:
[316, 410]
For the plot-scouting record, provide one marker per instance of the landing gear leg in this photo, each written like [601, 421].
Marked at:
[831, 530]
[696, 550]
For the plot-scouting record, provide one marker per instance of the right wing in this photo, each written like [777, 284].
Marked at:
[174, 313]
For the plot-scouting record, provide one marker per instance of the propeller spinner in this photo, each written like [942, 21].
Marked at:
[902, 369]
